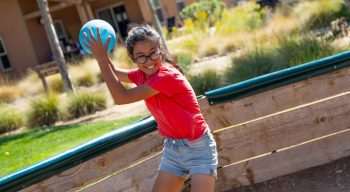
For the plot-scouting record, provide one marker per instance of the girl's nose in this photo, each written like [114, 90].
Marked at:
[148, 59]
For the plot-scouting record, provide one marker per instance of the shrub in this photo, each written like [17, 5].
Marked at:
[190, 45]
[189, 28]
[254, 63]
[342, 12]
[293, 50]
[87, 79]
[84, 73]
[184, 60]
[230, 47]
[246, 17]
[319, 13]
[31, 84]
[85, 103]
[56, 84]
[210, 51]
[208, 80]
[9, 93]
[121, 58]
[205, 12]
[290, 50]
[43, 111]
[10, 120]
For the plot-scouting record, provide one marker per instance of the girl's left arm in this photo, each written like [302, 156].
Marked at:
[119, 93]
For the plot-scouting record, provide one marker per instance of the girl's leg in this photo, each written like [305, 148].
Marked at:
[167, 182]
[202, 183]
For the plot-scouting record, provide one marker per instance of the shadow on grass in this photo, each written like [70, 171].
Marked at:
[36, 133]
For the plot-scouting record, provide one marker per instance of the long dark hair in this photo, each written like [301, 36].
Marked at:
[146, 32]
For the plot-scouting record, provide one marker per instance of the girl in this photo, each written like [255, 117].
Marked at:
[189, 147]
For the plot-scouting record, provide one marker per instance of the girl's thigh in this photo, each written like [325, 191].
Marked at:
[167, 182]
[202, 183]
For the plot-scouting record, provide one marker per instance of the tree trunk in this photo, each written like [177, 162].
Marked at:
[55, 46]
[156, 23]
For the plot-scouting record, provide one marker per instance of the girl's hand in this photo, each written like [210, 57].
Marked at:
[97, 48]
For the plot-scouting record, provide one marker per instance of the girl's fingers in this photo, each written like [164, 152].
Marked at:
[87, 39]
[94, 43]
[93, 38]
[98, 34]
[107, 41]
[85, 44]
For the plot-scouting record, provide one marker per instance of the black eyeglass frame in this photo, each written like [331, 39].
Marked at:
[159, 54]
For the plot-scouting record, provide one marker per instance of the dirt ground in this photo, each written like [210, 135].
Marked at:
[331, 177]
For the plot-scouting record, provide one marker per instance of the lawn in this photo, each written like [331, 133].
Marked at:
[26, 148]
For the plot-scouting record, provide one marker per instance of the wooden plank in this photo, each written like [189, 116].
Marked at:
[283, 129]
[106, 164]
[311, 154]
[272, 101]
[139, 177]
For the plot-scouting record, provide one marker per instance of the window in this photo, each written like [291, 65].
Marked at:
[116, 16]
[4, 60]
[180, 5]
[61, 33]
[158, 10]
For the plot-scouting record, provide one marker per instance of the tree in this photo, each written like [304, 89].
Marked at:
[156, 23]
[54, 44]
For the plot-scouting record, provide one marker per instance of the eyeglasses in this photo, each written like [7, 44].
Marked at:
[143, 59]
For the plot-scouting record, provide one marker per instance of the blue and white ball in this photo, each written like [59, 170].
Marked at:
[106, 30]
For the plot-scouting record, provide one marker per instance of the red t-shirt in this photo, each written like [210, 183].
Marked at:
[175, 107]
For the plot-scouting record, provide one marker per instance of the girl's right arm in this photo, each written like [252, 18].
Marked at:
[122, 74]
[119, 93]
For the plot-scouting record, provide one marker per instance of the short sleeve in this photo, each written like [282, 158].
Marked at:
[168, 81]
[136, 76]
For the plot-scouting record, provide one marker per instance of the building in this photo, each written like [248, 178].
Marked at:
[23, 40]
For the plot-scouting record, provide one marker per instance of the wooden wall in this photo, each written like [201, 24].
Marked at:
[259, 137]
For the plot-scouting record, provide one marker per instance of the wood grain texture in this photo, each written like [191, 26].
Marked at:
[275, 100]
[139, 177]
[283, 162]
[283, 130]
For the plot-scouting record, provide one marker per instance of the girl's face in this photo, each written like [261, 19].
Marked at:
[147, 56]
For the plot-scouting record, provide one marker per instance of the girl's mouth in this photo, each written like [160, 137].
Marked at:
[150, 67]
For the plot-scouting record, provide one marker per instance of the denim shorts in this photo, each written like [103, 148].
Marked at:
[183, 157]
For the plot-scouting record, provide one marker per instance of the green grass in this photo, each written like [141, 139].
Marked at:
[23, 149]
